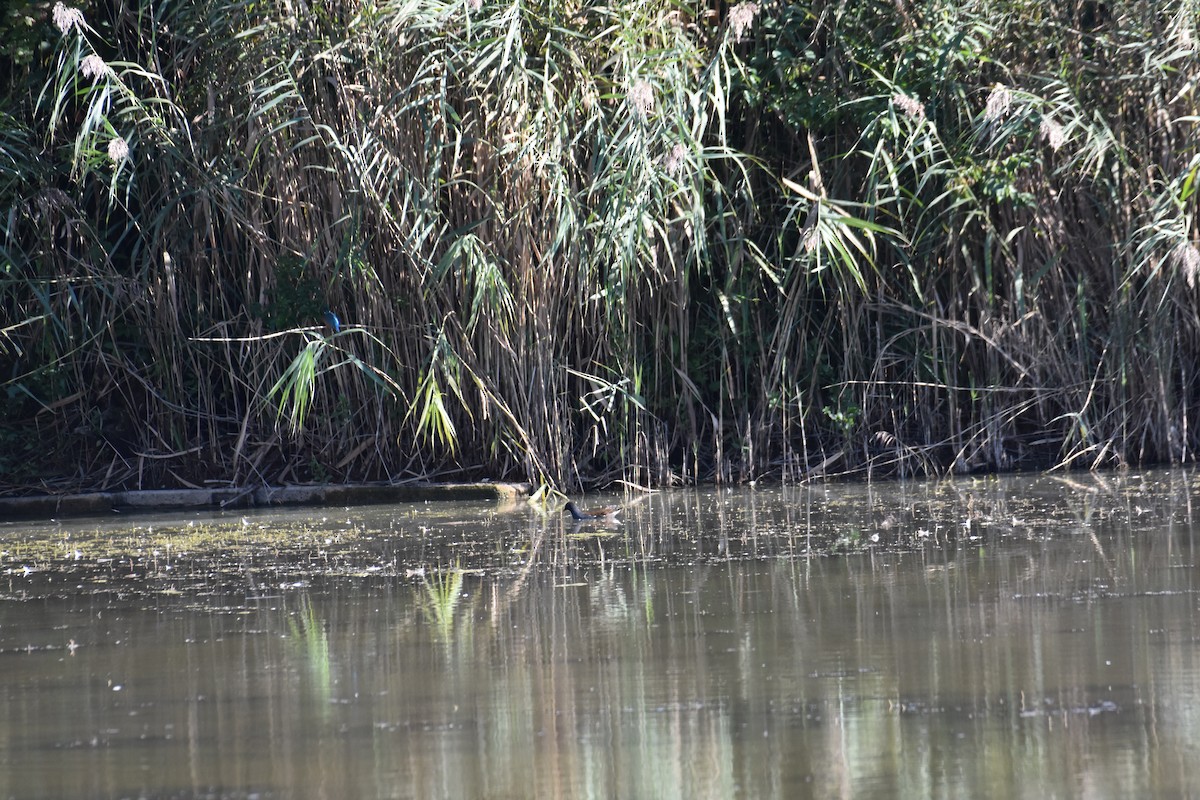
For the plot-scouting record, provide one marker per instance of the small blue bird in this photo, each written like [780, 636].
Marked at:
[332, 320]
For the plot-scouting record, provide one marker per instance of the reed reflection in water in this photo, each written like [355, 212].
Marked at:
[1024, 655]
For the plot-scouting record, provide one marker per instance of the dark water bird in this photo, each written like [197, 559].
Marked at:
[331, 319]
[590, 513]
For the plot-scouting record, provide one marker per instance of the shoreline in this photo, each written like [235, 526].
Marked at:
[50, 507]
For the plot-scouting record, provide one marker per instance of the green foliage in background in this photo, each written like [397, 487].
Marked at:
[576, 243]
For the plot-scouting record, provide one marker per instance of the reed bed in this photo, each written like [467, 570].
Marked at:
[582, 244]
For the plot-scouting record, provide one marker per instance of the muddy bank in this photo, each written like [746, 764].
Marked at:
[99, 503]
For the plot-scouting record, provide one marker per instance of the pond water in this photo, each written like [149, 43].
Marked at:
[1008, 637]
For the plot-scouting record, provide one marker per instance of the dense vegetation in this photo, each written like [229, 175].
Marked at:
[577, 243]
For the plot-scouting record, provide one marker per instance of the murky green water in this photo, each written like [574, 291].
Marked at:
[1018, 637]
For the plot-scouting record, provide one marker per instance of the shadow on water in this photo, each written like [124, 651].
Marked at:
[1016, 637]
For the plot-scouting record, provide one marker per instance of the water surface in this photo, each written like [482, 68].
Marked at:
[1016, 637]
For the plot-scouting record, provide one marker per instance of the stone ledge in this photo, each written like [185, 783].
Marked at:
[102, 503]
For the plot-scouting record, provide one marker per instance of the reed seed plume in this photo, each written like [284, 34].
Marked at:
[118, 149]
[741, 18]
[1053, 133]
[67, 19]
[641, 97]
[1187, 260]
[93, 66]
[909, 105]
[999, 103]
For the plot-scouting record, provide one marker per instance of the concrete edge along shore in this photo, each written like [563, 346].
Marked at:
[103, 503]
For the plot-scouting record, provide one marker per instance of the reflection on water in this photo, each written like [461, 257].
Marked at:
[1025, 637]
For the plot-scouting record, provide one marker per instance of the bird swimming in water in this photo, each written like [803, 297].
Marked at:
[331, 319]
[591, 513]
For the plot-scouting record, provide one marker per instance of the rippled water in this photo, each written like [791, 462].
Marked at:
[1017, 637]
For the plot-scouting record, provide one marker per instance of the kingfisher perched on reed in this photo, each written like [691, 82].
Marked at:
[331, 319]
[608, 514]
